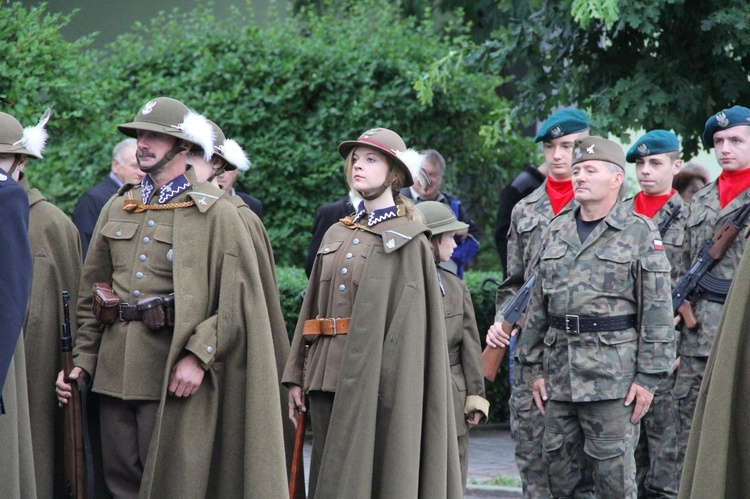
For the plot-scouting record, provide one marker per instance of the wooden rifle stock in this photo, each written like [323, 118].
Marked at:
[75, 466]
[492, 358]
[298, 462]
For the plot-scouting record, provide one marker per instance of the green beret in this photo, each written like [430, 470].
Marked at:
[562, 123]
[728, 118]
[654, 142]
[598, 148]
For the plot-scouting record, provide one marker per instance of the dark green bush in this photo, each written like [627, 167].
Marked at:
[292, 282]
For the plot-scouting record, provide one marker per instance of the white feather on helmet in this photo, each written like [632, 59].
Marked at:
[34, 138]
[234, 154]
[199, 130]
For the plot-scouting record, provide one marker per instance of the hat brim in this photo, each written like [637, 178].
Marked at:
[457, 225]
[227, 165]
[347, 146]
[17, 149]
[131, 129]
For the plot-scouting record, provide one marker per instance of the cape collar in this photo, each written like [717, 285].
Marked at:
[168, 191]
[376, 216]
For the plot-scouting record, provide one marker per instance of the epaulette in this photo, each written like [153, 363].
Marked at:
[125, 188]
[203, 200]
[400, 235]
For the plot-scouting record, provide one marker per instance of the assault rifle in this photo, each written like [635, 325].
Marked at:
[513, 316]
[698, 281]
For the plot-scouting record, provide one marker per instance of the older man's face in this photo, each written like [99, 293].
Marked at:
[594, 182]
[436, 181]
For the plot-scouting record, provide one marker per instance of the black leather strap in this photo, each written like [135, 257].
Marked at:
[575, 324]
[129, 312]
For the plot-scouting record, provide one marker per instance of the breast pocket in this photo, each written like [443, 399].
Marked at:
[611, 271]
[119, 235]
[554, 271]
[162, 248]
[326, 259]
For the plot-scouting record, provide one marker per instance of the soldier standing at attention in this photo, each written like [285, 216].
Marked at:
[599, 335]
[179, 344]
[464, 350]
[529, 220]
[657, 160]
[728, 132]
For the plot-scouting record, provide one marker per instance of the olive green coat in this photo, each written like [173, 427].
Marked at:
[716, 463]
[208, 444]
[56, 252]
[393, 411]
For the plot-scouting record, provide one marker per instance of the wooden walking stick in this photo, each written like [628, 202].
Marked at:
[298, 461]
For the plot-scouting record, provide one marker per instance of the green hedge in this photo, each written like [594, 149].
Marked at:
[292, 282]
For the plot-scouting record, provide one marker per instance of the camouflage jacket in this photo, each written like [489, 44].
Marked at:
[600, 278]
[705, 217]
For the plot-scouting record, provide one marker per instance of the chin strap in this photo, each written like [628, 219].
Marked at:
[386, 185]
[177, 149]
[16, 162]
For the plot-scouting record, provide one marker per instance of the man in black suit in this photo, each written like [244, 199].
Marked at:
[226, 181]
[325, 216]
[124, 171]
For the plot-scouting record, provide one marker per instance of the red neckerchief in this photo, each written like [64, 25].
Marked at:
[732, 184]
[560, 193]
[649, 205]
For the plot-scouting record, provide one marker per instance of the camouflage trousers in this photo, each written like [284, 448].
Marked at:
[686, 390]
[600, 430]
[656, 453]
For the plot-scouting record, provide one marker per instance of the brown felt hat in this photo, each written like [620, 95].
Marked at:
[598, 148]
[391, 144]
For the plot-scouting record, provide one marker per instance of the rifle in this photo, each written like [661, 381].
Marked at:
[698, 281]
[298, 462]
[75, 470]
[513, 316]
[666, 224]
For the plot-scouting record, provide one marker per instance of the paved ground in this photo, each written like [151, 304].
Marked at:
[490, 455]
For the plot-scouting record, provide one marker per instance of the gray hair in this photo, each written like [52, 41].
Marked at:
[119, 149]
[434, 157]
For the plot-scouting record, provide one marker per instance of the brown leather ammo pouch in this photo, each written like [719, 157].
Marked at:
[152, 313]
[106, 304]
[169, 309]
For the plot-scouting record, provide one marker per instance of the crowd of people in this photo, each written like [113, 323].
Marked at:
[623, 373]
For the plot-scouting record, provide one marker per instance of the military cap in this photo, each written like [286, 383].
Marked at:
[728, 118]
[438, 217]
[560, 123]
[229, 150]
[654, 142]
[600, 149]
[172, 117]
[391, 144]
[15, 139]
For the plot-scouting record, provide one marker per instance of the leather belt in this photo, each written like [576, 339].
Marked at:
[575, 324]
[129, 312]
[326, 327]
[454, 358]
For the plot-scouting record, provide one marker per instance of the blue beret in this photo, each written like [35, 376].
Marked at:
[562, 123]
[654, 142]
[728, 118]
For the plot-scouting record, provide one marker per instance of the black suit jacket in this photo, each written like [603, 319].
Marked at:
[325, 217]
[253, 203]
[88, 208]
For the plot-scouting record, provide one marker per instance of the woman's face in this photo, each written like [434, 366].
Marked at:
[447, 245]
[369, 170]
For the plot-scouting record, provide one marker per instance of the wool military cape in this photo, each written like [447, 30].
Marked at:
[716, 463]
[222, 441]
[392, 430]
[56, 253]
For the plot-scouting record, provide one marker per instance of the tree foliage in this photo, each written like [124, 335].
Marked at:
[288, 91]
[648, 64]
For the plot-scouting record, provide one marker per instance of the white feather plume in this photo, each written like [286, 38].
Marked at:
[199, 130]
[35, 137]
[234, 154]
[413, 161]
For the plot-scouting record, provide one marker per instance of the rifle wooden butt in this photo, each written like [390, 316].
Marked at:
[75, 465]
[492, 358]
[298, 463]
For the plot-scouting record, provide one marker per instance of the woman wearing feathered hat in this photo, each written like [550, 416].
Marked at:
[376, 375]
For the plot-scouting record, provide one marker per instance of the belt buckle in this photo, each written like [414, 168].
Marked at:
[119, 311]
[335, 331]
[570, 321]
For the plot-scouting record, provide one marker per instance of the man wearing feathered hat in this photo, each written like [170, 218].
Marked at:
[184, 387]
[56, 251]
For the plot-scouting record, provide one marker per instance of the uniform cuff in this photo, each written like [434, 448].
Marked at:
[476, 403]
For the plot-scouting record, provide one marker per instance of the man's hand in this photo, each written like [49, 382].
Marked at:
[63, 389]
[186, 376]
[295, 403]
[474, 418]
[643, 400]
[497, 338]
[539, 392]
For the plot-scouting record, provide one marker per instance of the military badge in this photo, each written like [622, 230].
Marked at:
[658, 245]
[390, 244]
[577, 153]
[590, 149]
[721, 119]
[643, 150]
[170, 255]
[148, 107]
[556, 132]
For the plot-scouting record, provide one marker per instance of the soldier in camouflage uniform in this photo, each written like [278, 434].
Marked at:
[529, 219]
[729, 133]
[657, 160]
[599, 333]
